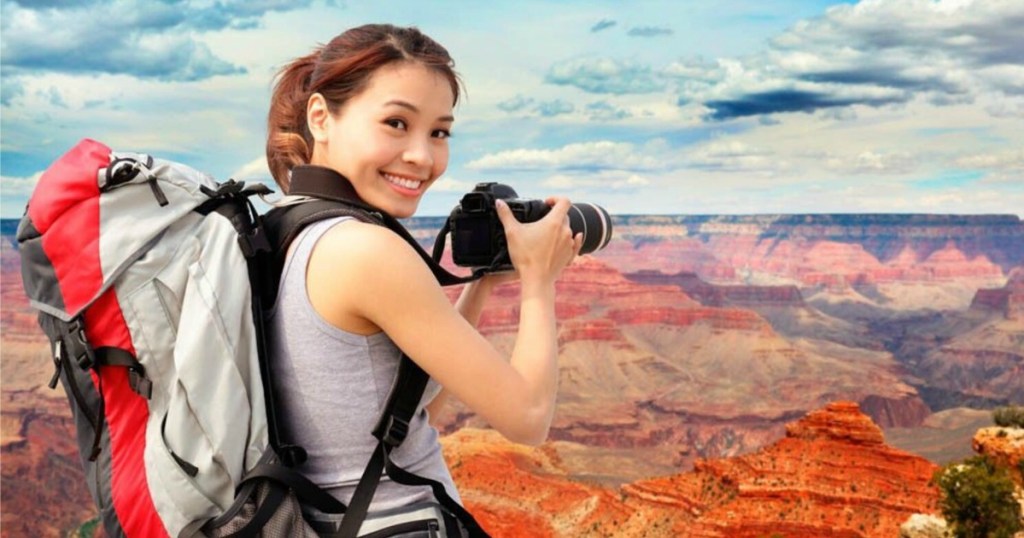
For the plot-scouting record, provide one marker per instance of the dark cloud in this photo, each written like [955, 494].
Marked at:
[899, 78]
[649, 31]
[771, 102]
[605, 76]
[176, 58]
[603, 24]
[141, 38]
[873, 54]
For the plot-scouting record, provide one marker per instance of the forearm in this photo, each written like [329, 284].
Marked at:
[471, 305]
[535, 356]
[473, 298]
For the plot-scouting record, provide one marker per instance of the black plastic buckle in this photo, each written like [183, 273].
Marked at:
[77, 346]
[292, 455]
[395, 431]
[227, 188]
[254, 242]
[139, 383]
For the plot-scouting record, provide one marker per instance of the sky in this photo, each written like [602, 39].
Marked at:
[643, 107]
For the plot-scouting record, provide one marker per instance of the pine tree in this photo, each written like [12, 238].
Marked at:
[977, 499]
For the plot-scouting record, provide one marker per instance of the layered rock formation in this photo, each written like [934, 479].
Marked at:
[832, 475]
[638, 360]
[985, 363]
[1007, 300]
[910, 261]
[722, 295]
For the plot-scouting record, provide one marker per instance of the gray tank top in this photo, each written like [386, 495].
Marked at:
[332, 386]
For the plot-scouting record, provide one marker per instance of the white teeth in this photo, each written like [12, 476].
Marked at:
[402, 182]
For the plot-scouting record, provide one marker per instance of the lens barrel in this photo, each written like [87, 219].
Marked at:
[594, 223]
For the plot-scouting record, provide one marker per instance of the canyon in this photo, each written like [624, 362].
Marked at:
[693, 351]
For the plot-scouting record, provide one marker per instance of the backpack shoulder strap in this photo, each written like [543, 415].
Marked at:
[335, 196]
[391, 430]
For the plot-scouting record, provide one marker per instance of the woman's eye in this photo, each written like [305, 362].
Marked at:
[442, 133]
[396, 123]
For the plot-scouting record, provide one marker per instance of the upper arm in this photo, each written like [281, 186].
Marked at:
[375, 275]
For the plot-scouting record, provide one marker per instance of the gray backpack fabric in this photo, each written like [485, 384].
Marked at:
[138, 267]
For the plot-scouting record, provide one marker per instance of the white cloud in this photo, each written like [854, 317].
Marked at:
[1005, 166]
[873, 162]
[581, 156]
[611, 180]
[449, 184]
[255, 169]
[603, 75]
[19, 186]
[734, 156]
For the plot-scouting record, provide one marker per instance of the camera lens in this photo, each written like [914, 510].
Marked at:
[594, 223]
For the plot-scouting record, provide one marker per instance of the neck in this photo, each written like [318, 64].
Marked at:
[322, 182]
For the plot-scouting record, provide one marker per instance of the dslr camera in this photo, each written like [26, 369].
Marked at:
[478, 238]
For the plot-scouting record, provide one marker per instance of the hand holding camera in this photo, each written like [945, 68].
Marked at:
[479, 233]
[541, 249]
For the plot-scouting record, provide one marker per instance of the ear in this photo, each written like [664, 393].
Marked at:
[317, 117]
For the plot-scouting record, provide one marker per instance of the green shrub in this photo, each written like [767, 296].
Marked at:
[1011, 416]
[977, 499]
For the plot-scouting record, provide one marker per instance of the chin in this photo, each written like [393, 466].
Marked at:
[402, 212]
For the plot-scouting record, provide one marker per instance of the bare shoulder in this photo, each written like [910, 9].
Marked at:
[361, 242]
[387, 271]
[375, 254]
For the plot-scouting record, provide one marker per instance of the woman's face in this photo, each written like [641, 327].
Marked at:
[391, 139]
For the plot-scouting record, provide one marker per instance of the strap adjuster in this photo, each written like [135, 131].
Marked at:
[395, 431]
[254, 242]
[139, 383]
[77, 346]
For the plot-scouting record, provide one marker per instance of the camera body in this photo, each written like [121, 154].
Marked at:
[478, 237]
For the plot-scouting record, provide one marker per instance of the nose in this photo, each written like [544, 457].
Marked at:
[419, 153]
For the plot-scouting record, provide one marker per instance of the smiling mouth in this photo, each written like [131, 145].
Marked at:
[403, 182]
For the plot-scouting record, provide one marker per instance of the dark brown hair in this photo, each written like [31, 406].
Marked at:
[339, 70]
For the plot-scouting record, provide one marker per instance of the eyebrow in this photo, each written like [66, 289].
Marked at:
[412, 107]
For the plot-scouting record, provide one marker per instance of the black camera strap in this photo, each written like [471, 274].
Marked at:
[326, 184]
[335, 196]
[478, 271]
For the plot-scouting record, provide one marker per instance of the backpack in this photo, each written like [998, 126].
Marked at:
[149, 278]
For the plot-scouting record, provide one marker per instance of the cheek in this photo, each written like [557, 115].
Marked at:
[440, 161]
[381, 151]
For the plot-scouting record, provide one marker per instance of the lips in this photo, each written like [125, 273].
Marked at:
[407, 183]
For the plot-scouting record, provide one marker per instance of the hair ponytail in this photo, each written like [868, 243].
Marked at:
[338, 71]
[289, 142]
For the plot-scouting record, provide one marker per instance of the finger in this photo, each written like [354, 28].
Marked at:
[559, 206]
[505, 214]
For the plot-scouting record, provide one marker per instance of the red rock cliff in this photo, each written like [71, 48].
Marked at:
[832, 475]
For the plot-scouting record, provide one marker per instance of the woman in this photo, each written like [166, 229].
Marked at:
[375, 105]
